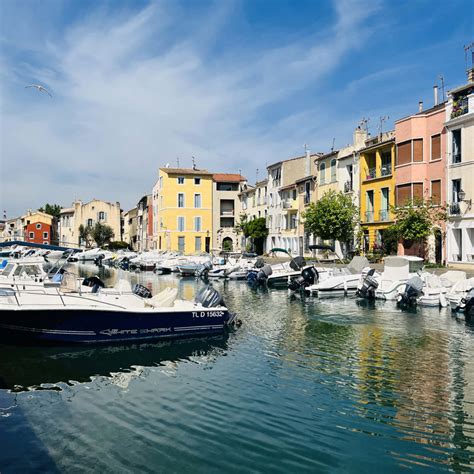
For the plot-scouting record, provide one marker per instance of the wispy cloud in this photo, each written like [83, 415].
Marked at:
[133, 91]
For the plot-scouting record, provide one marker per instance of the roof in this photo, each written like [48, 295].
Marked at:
[228, 177]
[306, 178]
[327, 155]
[289, 186]
[66, 210]
[185, 171]
[435, 108]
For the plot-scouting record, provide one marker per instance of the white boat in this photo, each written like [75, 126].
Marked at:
[459, 292]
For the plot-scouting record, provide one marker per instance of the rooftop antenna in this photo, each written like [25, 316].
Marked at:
[382, 120]
[467, 48]
[177, 161]
[441, 78]
[4, 214]
[194, 162]
[305, 148]
[333, 142]
[364, 123]
[256, 177]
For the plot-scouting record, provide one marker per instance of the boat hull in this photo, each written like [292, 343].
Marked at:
[85, 326]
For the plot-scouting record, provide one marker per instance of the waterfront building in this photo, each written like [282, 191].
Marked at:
[129, 234]
[226, 210]
[13, 229]
[87, 215]
[39, 228]
[420, 170]
[182, 210]
[282, 202]
[144, 224]
[460, 172]
[377, 187]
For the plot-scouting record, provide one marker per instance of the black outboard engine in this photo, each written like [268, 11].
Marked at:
[369, 285]
[141, 291]
[93, 282]
[124, 263]
[260, 263]
[209, 297]
[98, 259]
[203, 270]
[309, 276]
[263, 274]
[466, 305]
[413, 289]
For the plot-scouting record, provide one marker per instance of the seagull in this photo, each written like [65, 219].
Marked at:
[40, 88]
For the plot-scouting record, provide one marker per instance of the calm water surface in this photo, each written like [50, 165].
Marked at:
[302, 386]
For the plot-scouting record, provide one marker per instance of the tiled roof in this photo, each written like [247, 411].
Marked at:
[228, 177]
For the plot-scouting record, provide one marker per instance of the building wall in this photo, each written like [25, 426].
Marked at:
[39, 227]
[168, 210]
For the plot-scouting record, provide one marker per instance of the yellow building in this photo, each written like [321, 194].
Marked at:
[377, 187]
[182, 201]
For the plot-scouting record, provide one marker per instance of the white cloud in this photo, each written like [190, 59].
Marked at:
[130, 94]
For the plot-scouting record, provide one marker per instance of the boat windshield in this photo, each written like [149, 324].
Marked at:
[8, 269]
[415, 266]
[28, 270]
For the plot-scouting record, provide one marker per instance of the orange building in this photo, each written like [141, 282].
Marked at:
[39, 228]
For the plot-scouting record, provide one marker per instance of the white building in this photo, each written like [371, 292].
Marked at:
[460, 173]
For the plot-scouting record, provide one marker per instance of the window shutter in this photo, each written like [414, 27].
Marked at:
[404, 153]
[403, 194]
[418, 191]
[436, 192]
[436, 147]
[105, 217]
[418, 150]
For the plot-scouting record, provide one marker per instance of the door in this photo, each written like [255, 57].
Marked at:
[208, 244]
[438, 246]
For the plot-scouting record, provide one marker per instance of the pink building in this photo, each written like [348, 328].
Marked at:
[420, 168]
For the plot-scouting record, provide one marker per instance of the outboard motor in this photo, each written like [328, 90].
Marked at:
[252, 277]
[93, 282]
[124, 264]
[141, 291]
[209, 297]
[369, 285]
[466, 305]
[203, 270]
[297, 263]
[263, 274]
[260, 263]
[98, 259]
[413, 289]
[309, 276]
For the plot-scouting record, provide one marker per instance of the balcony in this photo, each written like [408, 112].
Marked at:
[348, 187]
[290, 204]
[227, 213]
[369, 216]
[460, 107]
[384, 215]
[387, 169]
[454, 209]
[371, 174]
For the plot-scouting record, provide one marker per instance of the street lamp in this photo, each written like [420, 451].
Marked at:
[462, 197]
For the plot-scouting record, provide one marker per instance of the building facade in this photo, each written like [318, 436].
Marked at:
[226, 211]
[460, 173]
[420, 171]
[129, 234]
[182, 204]
[39, 228]
[377, 188]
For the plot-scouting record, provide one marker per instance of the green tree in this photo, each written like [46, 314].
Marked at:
[51, 209]
[334, 216]
[102, 234]
[85, 234]
[255, 230]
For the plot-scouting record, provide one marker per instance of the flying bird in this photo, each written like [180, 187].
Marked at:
[40, 88]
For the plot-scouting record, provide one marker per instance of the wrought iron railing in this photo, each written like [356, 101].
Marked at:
[384, 215]
[369, 216]
[387, 169]
[371, 173]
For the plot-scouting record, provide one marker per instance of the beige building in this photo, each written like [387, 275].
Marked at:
[130, 227]
[226, 210]
[87, 214]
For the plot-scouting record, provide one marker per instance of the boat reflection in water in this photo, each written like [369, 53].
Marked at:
[29, 368]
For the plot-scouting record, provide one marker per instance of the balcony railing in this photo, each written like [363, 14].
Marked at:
[460, 107]
[456, 158]
[387, 169]
[454, 209]
[369, 216]
[307, 199]
[288, 203]
[384, 215]
[227, 212]
[371, 173]
[348, 187]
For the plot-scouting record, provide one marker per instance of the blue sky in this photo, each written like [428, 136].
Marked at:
[237, 84]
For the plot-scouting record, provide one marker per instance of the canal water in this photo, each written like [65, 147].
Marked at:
[303, 386]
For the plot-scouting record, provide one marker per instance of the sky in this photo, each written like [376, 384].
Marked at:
[235, 84]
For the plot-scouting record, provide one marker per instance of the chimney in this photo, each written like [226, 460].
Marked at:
[435, 92]
[359, 137]
[308, 162]
[420, 106]
[470, 75]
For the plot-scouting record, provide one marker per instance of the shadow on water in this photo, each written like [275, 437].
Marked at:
[23, 368]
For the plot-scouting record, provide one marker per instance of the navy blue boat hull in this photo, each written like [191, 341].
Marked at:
[82, 326]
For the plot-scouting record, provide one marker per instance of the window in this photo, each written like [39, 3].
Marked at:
[101, 216]
[404, 153]
[180, 223]
[418, 150]
[180, 200]
[436, 191]
[197, 201]
[294, 194]
[180, 179]
[197, 224]
[456, 146]
[181, 243]
[456, 187]
[45, 235]
[197, 181]
[386, 163]
[31, 235]
[38, 226]
[307, 192]
[333, 170]
[161, 182]
[45, 242]
[409, 192]
[322, 173]
[228, 187]
[436, 147]
[89, 222]
[417, 191]
[197, 244]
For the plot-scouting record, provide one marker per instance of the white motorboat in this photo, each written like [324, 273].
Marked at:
[458, 293]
